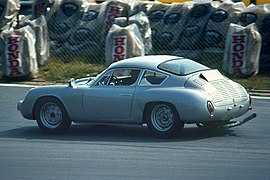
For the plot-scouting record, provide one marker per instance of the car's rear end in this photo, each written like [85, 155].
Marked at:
[208, 96]
[227, 99]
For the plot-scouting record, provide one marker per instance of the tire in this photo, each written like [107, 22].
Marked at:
[51, 116]
[163, 120]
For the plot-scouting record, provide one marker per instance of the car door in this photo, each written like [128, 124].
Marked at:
[109, 99]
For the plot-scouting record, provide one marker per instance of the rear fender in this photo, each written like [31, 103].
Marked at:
[190, 104]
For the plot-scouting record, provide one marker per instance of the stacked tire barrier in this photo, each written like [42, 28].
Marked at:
[80, 29]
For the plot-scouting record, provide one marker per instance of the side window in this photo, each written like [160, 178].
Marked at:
[118, 77]
[104, 79]
[124, 77]
[152, 78]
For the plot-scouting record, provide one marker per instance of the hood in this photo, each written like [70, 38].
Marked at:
[81, 82]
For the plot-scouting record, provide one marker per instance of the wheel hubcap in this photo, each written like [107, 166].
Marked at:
[50, 115]
[162, 117]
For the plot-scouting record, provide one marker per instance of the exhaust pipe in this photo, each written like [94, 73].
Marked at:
[239, 123]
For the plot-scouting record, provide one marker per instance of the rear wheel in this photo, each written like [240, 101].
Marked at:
[163, 120]
[51, 116]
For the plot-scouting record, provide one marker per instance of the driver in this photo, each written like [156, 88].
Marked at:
[125, 79]
[133, 76]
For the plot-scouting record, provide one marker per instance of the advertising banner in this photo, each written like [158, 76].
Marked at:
[119, 48]
[19, 53]
[242, 50]
[123, 42]
[13, 51]
[238, 53]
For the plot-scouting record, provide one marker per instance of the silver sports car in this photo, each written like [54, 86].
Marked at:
[162, 91]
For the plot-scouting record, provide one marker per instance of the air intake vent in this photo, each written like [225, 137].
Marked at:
[226, 89]
[242, 92]
[216, 97]
[200, 81]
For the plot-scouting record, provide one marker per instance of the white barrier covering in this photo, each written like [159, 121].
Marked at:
[123, 42]
[8, 11]
[19, 54]
[141, 20]
[242, 50]
[112, 9]
[42, 47]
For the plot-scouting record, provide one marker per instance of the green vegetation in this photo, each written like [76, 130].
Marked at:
[57, 71]
[259, 82]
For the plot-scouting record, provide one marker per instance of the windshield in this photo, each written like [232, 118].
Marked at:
[181, 66]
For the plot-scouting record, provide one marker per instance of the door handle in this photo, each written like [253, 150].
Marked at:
[241, 106]
[126, 95]
[229, 108]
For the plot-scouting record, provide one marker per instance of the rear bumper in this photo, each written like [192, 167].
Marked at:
[225, 124]
[232, 124]
[232, 110]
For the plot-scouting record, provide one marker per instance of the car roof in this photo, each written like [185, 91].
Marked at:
[143, 62]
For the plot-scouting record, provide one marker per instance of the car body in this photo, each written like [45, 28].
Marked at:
[167, 92]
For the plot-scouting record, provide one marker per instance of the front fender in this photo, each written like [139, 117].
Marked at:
[70, 97]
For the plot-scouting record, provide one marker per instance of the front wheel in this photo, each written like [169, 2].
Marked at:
[163, 120]
[51, 116]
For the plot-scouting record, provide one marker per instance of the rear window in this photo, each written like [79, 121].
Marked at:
[182, 67]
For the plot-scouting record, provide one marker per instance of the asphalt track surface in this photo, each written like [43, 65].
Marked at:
[130, 152]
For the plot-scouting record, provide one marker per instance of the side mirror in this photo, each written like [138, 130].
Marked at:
[71, 82]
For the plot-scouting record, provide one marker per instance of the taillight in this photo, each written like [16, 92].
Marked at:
[210, 107]
[250, 101]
